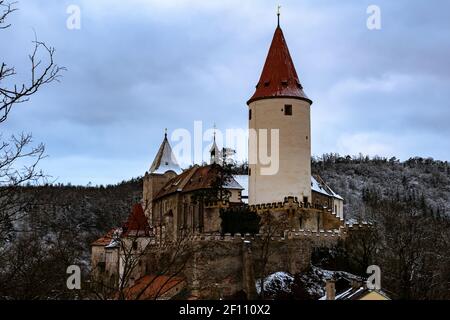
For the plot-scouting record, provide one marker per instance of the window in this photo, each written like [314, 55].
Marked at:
[335, 209]
[305, 200]
[288, 110]
[249, 172]
[249, 114]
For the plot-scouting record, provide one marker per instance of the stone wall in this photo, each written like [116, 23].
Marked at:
[221, 266]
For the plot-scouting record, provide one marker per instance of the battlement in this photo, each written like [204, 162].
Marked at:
[318, 237]
[359, 225]
[288, 235]
[289, 202]
[217, 204]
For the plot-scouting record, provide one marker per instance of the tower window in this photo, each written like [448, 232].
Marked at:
[288, 110]
[249, 114]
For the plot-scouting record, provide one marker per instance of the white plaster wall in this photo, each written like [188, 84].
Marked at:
[294, 174]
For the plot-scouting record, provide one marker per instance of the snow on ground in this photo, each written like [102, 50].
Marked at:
[313, 281]
[278, 281]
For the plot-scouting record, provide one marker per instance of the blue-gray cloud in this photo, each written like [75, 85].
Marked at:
[137, 66]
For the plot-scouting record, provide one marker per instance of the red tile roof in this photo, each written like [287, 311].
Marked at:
[104, 240]
[137, 221]
[279, 78]
[151, 287]
[195, 178]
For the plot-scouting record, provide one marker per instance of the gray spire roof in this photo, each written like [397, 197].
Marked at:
[215, 153]
[165, 159]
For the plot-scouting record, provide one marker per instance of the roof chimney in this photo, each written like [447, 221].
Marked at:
[330, 289]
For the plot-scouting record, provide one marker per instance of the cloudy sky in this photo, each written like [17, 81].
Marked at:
[138, 66]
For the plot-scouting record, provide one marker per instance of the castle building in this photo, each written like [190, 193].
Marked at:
[279, 103]
[170, 194]
[177, 202]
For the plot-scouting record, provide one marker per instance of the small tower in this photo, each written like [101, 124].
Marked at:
[214, 151]
[165, 159]
[280, 103]
[163, 168]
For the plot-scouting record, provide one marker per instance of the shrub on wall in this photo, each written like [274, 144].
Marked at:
[239, 220]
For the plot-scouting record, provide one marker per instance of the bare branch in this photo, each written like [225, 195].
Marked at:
[40, 74]
[6, 8]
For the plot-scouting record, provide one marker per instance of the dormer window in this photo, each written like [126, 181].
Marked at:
[284, 82]
[266, 83]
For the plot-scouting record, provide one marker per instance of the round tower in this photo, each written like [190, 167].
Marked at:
[279, 105]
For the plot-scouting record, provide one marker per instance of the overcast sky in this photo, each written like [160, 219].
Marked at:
[138, 66]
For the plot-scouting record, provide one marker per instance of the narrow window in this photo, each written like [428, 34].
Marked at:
[288, 110]
[305, 200]
[249, 114]
[249, 172]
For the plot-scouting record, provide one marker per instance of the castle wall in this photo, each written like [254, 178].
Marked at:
[294, 173]
[105, 266]
[221, 268]
[235, 196]
[321, 200]
[152, 184]
[338, 207]
[178, 212]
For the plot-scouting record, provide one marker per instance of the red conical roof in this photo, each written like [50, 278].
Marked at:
[279, 78]
[137, 222]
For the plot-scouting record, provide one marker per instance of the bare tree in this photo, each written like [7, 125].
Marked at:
[5, 10]
[271, 226]
[14, 203]
[162, 257]
[18, 159]
[40, 73]
[168, 260]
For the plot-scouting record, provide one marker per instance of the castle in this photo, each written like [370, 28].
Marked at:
[176, 218]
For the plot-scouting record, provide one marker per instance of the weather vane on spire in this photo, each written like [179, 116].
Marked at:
[165, 132]
[215, 131]
[278, 14]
